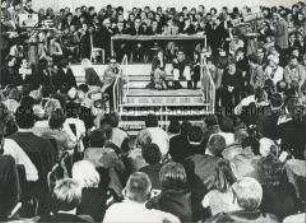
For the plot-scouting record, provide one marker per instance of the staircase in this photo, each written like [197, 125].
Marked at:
[134, 101]
[137, 101]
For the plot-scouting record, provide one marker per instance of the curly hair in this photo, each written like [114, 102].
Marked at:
[151, 154]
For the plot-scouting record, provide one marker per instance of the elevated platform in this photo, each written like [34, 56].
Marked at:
[136, 101]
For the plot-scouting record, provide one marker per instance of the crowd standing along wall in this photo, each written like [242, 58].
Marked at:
[128, 4]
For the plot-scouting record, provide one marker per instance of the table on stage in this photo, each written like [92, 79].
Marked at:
[142, 38]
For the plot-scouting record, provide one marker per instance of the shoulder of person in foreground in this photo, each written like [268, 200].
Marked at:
[241, 217]
[162, 217]
[297, 218]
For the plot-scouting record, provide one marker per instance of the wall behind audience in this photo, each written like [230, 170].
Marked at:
[128, 4]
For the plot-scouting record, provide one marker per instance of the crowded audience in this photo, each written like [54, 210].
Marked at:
[64, 157]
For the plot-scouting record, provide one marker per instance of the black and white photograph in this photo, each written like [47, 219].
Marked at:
[142, 111]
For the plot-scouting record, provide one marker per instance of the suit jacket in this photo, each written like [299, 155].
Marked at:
[64, 81]
[176, 202]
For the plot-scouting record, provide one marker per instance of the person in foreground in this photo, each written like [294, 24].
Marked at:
[249, 194]
[136, 193]
[67, 196]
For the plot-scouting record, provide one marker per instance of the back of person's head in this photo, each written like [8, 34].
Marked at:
[211, 120]
[27, 101]
[216, 145]
[107, 131]
[151, 121]
[67, 194]
[151, 154]
[144, 138]
[84, 88]
[271, 171]
[85, 173]
[138, 187]
[57, 119]
[185, 127]
[172, 175]
[174, 127]
[25, 117]
[110, 119]
[227, 125]
[249, 193]
[195, 134]
[96, 139]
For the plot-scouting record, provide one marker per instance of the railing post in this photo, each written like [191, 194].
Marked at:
[210, 91]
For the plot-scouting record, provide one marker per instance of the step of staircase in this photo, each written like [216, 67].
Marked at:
[170, 98]
[164, 93]
[144, 84]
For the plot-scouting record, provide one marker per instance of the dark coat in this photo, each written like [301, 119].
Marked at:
[153, 172]
[176, 202]
[93, 203]
[64, 81]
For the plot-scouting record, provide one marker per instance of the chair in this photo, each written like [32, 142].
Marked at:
[96, 51]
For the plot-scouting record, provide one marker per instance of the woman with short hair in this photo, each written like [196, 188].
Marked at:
[174, 197]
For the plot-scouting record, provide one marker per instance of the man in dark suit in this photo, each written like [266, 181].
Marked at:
[104, 36]
[64, 79]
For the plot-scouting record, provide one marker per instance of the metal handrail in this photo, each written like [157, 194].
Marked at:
[126, 76]
[117, 92]
[211, 90]
[118, 85]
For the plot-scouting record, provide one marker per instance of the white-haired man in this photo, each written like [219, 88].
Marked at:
[137, 192]
[248, 194]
